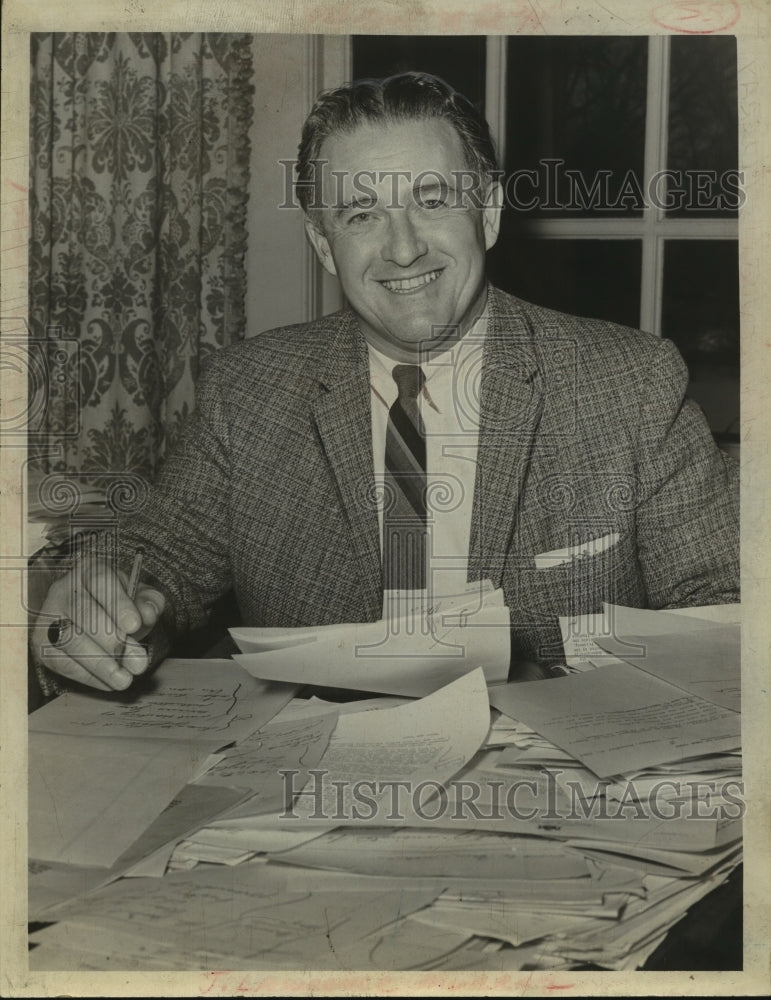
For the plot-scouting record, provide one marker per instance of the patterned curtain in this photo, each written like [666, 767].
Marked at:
[139, 170]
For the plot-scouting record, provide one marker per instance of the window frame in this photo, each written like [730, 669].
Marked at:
[653, 228]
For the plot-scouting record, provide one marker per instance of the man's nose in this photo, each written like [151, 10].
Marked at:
[404, 243]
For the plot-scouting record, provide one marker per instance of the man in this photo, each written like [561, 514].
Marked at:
[564, 463]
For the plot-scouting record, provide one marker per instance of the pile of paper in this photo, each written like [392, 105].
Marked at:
[573, 823]
[413, 650]
[103, 768]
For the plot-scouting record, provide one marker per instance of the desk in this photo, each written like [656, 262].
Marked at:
[709, 937]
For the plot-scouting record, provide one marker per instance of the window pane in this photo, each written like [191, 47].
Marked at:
[703, 130]
[580, 100]
[700, 312]
[458, 59]
[599, 278]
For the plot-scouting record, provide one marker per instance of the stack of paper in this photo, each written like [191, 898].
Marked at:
[574, 823]
[102, 769]
[416, 648]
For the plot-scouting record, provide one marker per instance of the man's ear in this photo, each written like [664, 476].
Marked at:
[320, 244]
[491, 214]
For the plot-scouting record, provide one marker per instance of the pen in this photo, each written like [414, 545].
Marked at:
[136, 569]
[133, 584]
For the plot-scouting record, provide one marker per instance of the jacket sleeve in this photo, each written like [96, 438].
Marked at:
[183, 526]
[688, 504]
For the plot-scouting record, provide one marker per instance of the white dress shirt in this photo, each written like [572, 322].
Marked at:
[449, 406]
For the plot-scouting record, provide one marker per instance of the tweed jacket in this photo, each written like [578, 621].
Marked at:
[584, 433]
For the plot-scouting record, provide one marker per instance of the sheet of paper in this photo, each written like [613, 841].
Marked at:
[579, 641]
[89, 807]
[190, 809]
[249, 913]
[674, 621]
[619, 719]
[514, 924]
[304, 708]
[197, 851]
[153, 865]
[390, 660]
[576, 553]
[643, 858]
[254, 835]
[686, 787]
[414, 604]
[463, 854]
[404, 946]
[200, 701]
[644, 621]
[65, 947]
[426, 740]
[53, 883]
[718, 614]
[705, 663]
[258, 761]
[581, 634]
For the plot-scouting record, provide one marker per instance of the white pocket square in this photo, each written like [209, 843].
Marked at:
[558, 557]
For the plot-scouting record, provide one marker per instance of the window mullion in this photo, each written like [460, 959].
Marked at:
[655, 160]
[328, 64]
[495, 91]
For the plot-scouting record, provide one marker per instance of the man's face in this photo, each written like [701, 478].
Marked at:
[406, 242]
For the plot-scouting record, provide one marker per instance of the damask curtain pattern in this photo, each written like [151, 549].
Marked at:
[139, 173]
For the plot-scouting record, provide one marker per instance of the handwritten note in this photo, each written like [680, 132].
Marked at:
[257, 762]
[431, 738]
[705, 663]
[248, 913]
[204, 701]
[102, 768]
[618, 719]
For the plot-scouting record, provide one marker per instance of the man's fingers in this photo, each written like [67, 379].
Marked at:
[88, 627]
[134, 657]
[80, 658]
[109, 593]
[69, 668]
[150, 604]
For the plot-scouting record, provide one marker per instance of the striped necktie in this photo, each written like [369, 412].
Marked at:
[404, 514]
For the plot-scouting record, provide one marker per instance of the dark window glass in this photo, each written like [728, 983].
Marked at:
[458, 59]
[597, 278]
[581, 101]
[703, 129]
[700, 312]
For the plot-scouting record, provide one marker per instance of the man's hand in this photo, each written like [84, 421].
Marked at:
[89, 629]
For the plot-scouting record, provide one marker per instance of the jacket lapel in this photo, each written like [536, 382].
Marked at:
[343, 418]
[512, 399]
[511, 404]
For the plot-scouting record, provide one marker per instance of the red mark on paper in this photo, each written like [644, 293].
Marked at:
[698, 17]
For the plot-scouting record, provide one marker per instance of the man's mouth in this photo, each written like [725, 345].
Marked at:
[403, 285]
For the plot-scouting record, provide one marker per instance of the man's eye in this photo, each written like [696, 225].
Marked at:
[360, 218]
[433, 202]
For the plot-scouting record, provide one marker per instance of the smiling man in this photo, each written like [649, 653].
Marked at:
[404, 235]
[433, 433]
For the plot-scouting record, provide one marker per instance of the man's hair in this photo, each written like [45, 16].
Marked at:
[404, 97]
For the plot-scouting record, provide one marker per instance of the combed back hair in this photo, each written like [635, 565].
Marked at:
[404, 97]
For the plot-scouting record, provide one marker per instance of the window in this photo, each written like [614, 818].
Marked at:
[621, 174]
